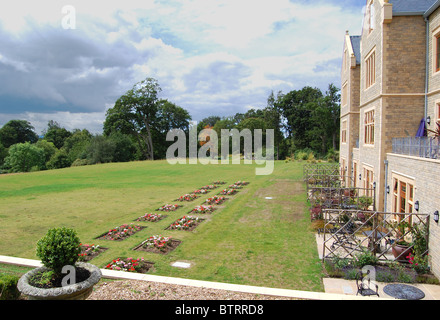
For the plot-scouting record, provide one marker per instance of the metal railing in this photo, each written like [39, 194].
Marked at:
[424, 147]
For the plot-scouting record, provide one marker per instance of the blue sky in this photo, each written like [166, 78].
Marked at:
[211, 57]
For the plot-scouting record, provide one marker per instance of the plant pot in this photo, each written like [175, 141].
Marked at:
[77, 291]
[401, 251]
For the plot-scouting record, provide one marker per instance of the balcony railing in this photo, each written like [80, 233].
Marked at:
[425, 147]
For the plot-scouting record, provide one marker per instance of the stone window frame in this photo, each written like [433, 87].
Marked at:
[436, 51]
[344, 94]
[344, 131]
[370, 69]
[369, 127]
[367, 179]
[398, 179]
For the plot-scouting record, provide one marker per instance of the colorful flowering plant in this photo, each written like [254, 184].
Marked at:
[188, 197]
[209, 186]
[87, 251]
[215, 200]
[185, 223]
[129, 264]
[418, 263]
[158, 242]
[152, 217]
[169, 207]
[235, 186]
[228, 192]
[122, 232]
[203, 209]
[201, 191]
[218, 182]
[241, 183]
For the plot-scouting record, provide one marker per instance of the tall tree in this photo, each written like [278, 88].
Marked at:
[134, 113]
[17, 131]
[23, 157]
[56, 134]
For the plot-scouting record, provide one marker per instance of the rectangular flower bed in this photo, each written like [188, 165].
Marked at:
[215, 200]
[158, 244]
[151, 217]
[169, 207]
[241, 183]
[187, 223]
[203, 209]
[89, 251]
[228, 192]
[209, 187]
[218, 182]
[121, 233]
[187, 197]
[130, 265]
[201, 191]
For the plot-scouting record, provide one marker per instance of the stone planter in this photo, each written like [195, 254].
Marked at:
[401, 251]
[78, 291]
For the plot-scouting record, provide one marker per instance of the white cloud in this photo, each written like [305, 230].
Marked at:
[209, 56]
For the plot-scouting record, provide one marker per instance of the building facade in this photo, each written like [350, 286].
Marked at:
[397, 93]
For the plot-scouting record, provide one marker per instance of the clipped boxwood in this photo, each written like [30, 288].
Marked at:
[58, 248]
[8, 287]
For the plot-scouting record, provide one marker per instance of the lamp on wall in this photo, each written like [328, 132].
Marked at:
[388, 189]
[360, 176]
[374, 185]
[428, 120]
[416, 205]
[436, 216]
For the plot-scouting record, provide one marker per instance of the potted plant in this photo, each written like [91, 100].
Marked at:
[365, 202]
[401, 248]
[61, 277]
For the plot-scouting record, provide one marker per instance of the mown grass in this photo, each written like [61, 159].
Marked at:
[248, 240]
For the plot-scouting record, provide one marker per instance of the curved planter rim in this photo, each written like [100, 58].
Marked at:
[80, 290]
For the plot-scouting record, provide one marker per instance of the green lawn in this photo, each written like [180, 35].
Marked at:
[248, 240]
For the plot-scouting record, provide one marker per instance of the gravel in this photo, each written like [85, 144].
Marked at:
[145, 290]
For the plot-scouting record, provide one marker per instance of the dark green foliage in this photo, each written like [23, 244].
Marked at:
[17, 131]
[8, 287]
[23, 157]
[58, 248]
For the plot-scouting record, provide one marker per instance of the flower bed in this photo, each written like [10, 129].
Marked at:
[187, 197]
[187, 223]
[203, 209]
[228, 192]
[241, 183]
[151, 217]
[158, 244]
[216, 200]
[89, 251]
[169, 207]
[218, 182]
[122, 232]
[235, 186]
[130, 265]
[209, 187]
[201, 191]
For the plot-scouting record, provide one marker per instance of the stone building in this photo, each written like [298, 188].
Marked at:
[390, 88]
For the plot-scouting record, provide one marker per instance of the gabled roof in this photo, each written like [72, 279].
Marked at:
[356, 45]
[411, 7]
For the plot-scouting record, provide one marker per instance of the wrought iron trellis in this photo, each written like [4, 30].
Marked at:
[331, 169]
[377, 232]
[341, 197]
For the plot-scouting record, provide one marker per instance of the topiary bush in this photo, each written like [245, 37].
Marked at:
[58, 248]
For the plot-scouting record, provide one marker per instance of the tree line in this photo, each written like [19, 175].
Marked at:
[304, 121]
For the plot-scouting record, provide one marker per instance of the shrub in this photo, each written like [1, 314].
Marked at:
[58, 248]
[8, 287]
[366, 258]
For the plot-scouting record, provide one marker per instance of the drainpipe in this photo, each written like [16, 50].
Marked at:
[426, 68]
[386, 185]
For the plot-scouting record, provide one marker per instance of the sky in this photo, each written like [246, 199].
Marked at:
[70, 60]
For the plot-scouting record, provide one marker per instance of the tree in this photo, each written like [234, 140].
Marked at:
[76, 145]
[3, 154]
[23, 157]
[49, 150]
[100, 150]
[59, 160]
[134, 113]
[125, 148]
[56, 134]
[17, 131]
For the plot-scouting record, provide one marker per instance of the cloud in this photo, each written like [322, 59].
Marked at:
[210, 57]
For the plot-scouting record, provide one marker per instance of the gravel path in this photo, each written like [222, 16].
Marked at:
[145, 290]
